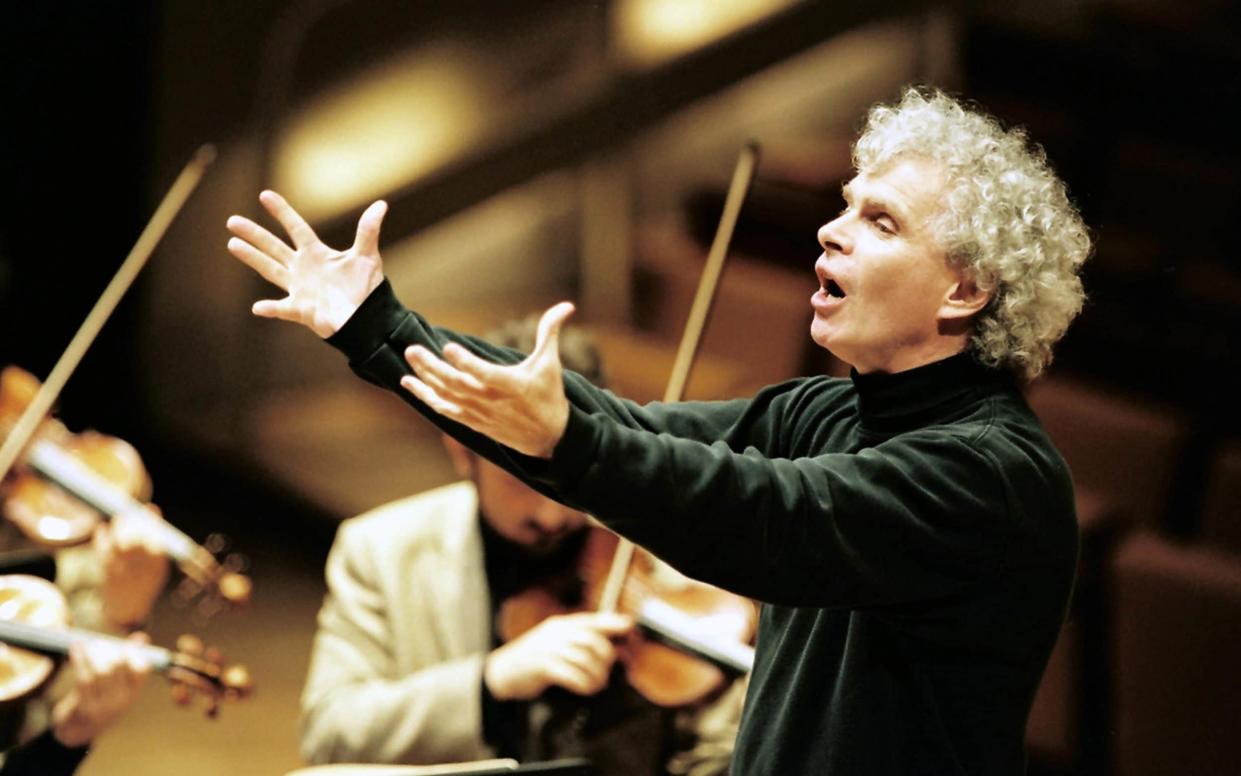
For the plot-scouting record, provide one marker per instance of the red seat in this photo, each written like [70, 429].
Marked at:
[1126, 449]
[1124, 454]
[1176, 645]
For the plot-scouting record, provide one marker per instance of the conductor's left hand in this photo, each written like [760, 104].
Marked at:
[324, 286]
[522, 406]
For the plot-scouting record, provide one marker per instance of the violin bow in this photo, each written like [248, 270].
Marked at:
[700, 311]
[38, 408]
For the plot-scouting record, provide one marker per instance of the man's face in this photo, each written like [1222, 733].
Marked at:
[520, 514]
[882, 276]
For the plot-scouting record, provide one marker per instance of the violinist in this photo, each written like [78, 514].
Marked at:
[110, 585]
[106, 680]
[408, 664]
[910, 528]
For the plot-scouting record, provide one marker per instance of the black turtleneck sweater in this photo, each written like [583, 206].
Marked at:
[912, 536]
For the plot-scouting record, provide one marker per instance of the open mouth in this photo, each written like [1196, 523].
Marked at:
[833, 289]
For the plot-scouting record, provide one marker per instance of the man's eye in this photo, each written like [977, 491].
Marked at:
[883, 224]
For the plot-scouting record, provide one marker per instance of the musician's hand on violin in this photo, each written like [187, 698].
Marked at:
[324, 286]
[573, 651]
[522, 405]
[107, 679]
[135, 566]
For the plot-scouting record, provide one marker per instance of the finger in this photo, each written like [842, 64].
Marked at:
[548, 337]
[84, 669]
[124, 533]
[571, 678]
[101, 539]
[367, 240]
[282, 309]
[138, 529]
[263, 240]
[479, 371]
[423, 364]
[427, 395]
[77, 658]
[445, 376]
[104, 545]
[139, 663]
[298, 230]
[611, 623]
[268, 268]
[600, 650]
[593, 671]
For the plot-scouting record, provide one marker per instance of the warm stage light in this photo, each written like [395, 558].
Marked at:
[648, 32]
[380, 131]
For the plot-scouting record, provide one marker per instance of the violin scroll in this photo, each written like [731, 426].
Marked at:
[196, 670]
[212, 585]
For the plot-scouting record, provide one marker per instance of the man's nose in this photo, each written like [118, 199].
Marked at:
[834, 237]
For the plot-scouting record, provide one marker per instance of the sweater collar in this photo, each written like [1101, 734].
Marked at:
[925, 394]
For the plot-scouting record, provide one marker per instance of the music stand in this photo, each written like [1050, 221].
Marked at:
[575, 766]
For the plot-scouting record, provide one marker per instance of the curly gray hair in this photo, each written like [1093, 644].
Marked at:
[1007, 221]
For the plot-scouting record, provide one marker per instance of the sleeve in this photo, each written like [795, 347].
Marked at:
[915, 518]
[376, 336]
[42, 755]
[355, 706]
[703, 486]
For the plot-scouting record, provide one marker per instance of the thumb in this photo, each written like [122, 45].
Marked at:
[101, 541]
[613, 624]
[548, 337]
[367, 241]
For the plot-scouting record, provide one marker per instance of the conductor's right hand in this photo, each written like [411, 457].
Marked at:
[573, 651]
[324, 286]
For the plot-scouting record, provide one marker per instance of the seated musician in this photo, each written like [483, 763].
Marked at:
[408, 666]
[110, 586]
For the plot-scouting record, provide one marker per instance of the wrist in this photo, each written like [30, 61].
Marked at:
[493, 676]
[69, 726]
[558, 422]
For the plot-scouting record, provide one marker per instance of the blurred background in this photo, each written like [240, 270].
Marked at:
[540, 150]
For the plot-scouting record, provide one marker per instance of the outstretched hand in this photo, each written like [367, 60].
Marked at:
[521, 405]
[324, 286]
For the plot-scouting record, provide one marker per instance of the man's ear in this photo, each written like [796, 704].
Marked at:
[461, 456]
[964, 299]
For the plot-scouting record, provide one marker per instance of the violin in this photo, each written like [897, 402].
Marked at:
[64, 484]
[700, 628]
[33, 617]
[691, 635]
